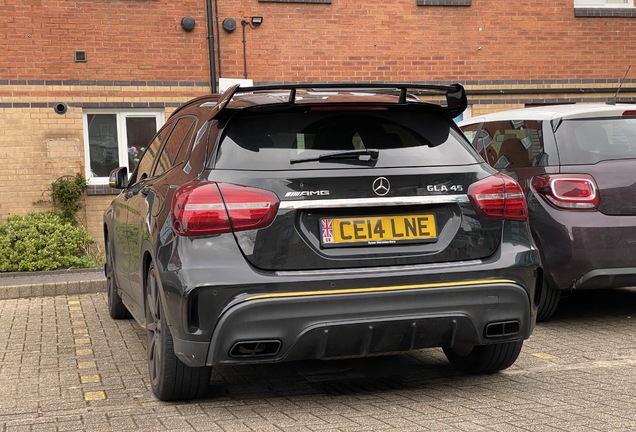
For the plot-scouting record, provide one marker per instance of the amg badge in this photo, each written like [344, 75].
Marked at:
[307, 193]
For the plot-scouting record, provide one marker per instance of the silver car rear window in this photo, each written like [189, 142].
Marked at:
[588, 141]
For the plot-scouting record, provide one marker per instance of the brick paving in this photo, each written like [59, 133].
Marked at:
[66, 366]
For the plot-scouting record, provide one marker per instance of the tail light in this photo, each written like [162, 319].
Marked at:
[568, 191]
[206, 208]
[498, 197]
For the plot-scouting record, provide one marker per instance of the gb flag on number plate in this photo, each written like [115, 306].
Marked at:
[326, 228]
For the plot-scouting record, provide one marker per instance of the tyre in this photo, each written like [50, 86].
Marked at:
[116, 308]
[170, 378]
[549, 298]
[484, 359]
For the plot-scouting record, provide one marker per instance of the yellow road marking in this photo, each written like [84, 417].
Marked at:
[543, 356]
[86, 364]
[94, 396]
[86, 379]
[84, 350]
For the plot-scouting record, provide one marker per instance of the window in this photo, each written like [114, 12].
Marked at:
[296, 1]
[603, 3]
[116, 138]
[511, 144]
[295, 140]
[589, 141]
[604, 9]
[444, 2]
[174, 151]
[150, 154]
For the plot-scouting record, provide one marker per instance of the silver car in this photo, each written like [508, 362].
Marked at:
[577, 167]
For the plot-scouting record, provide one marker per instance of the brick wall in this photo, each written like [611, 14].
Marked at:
[342, 40]
[379, 40]
[36, 148]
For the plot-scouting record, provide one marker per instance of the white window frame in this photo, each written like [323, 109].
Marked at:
[610, 4]
[122, 139]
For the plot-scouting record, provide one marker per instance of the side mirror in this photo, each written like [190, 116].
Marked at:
[118, 178]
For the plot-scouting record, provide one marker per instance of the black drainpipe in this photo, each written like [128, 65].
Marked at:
[211, 47]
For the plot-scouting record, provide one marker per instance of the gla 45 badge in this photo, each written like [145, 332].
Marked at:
[445, 188]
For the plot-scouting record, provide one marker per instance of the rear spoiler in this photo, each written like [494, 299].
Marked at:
[455, 94]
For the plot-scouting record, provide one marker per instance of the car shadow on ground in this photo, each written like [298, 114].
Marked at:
[373, 375]
[591, 304]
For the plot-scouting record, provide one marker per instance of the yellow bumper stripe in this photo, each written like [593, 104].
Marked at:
[378, 289]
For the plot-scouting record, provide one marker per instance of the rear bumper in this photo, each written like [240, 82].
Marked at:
[360, 324]
[285, 327]
[607, 278]
[220, 301]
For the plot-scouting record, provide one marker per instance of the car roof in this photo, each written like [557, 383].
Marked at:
[551, 112]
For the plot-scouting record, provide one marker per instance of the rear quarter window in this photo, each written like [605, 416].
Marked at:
[404, 139]
[588, 141]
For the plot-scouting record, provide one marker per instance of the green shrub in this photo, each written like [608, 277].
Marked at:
[43, 241]
[67, 193]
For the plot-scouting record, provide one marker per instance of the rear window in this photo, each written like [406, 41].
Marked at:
[588, 141]
[509, 144]
[404, 139]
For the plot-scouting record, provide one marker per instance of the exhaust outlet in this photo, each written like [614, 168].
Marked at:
[262, 348]
[501, 329]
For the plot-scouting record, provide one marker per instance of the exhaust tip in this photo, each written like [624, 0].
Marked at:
[262, 348]
[501, 329]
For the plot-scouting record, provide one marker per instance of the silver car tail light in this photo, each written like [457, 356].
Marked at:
[568, 191]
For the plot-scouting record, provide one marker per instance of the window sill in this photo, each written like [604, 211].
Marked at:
[605, 12]
[296, 1]
[444, 2]
[101, 189]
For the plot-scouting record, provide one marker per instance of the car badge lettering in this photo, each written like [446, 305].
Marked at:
[307, 193]
[381, 186]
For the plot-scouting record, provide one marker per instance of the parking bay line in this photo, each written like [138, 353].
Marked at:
[84, 350]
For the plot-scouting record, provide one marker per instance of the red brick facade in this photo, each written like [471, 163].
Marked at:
[341, 40]
[507, 53]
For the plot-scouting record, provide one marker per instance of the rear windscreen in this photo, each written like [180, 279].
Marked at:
[588, 141]
[403, 139]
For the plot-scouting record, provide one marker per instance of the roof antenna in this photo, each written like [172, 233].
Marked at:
[613, 100]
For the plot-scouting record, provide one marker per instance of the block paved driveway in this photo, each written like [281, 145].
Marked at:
[65, 365]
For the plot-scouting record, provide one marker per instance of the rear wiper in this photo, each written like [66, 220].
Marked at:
[347, 154]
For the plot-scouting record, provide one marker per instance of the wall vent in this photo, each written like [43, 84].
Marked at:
[80, 56]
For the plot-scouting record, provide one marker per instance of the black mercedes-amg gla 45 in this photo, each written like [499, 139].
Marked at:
[318, 221]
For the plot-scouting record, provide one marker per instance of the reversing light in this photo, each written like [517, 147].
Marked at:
[568, 191]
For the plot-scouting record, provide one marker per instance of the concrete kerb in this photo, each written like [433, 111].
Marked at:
[58, 282]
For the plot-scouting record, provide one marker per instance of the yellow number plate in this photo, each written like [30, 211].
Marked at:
[378, 230]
